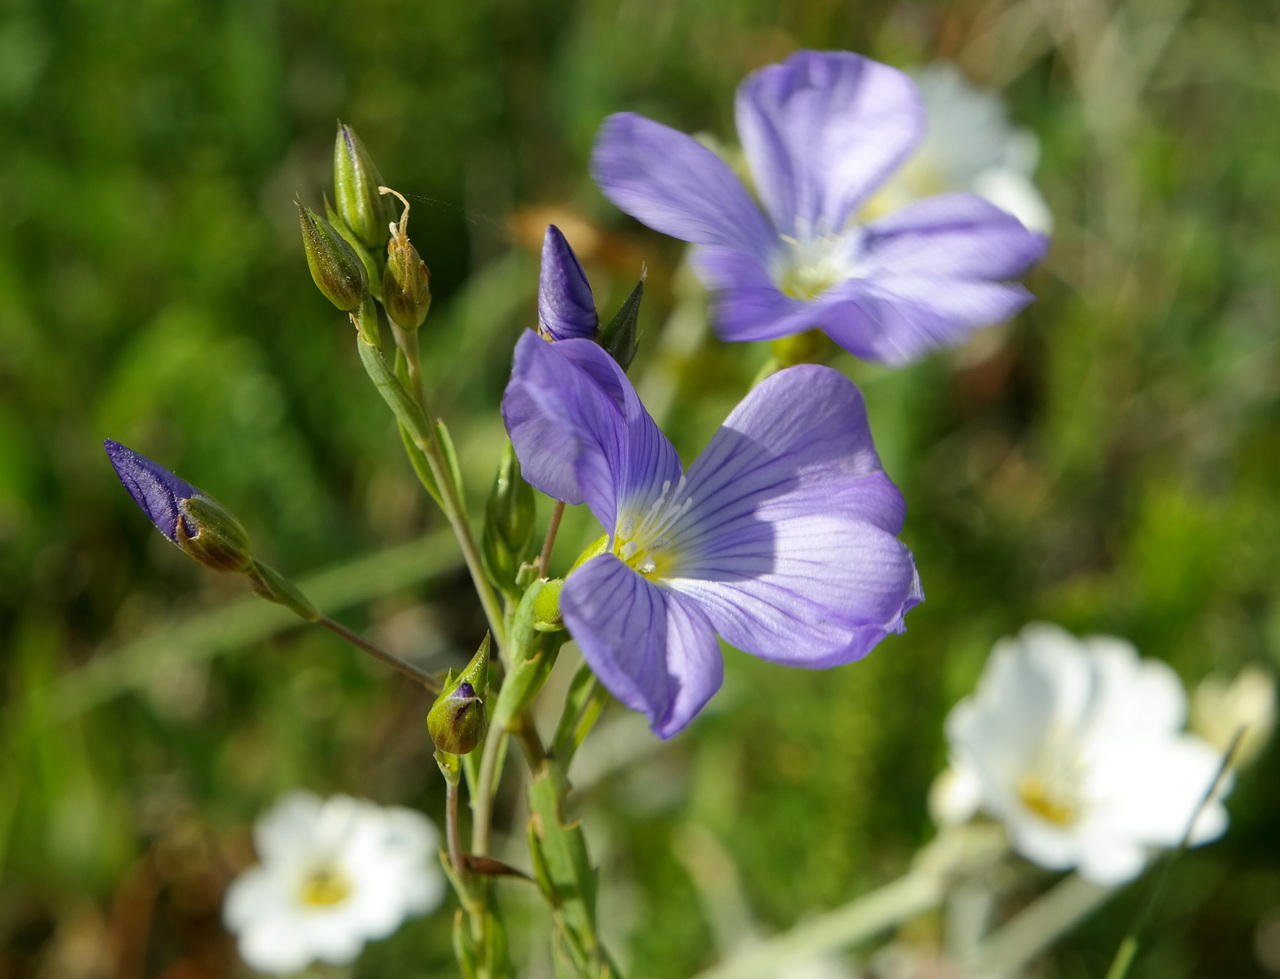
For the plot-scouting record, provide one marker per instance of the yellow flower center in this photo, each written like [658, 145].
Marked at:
[644, 540]
[325, 886]
[813, 262]
[1053, 786]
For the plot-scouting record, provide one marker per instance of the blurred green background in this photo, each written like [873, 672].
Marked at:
[1110, 462]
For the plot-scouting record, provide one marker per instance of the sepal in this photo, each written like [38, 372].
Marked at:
[620, 336]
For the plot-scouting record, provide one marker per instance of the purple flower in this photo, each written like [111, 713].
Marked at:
[158, 492]
[821, 132]
[566, 308]
[780, 537]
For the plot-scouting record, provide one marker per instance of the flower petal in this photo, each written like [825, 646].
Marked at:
[675, 185]
[821, 131]
[653, 649]
[566, 308]
[579, 429]
[789, 543]
[951, 236]
[898, 319]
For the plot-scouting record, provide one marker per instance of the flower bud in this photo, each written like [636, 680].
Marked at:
[547, 616]
[355, 186]
[335, 267]
[566, 308]
[509, 522]
[198, 524]
[458, 719]
[406, 281]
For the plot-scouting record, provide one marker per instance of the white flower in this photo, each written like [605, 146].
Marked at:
[970, 146]
[1077, 747]
[335, 873]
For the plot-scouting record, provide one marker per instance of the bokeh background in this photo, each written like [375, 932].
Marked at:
[1109, 462]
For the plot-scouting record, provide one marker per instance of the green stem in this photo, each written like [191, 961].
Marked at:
[917, 892]
[451, 827]
[395, 662]
[409, 413]
[483, 790]
[1039, 925]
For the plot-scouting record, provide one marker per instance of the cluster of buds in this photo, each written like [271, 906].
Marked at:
[344, 249]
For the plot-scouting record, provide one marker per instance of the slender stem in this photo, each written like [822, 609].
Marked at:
[395, 662]
[408, 344]
[535, 754]
[482, 792]
[549, 543]
[906, 897]
[451, 827]
[1039, 925]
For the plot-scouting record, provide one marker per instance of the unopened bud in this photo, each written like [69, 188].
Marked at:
[458, 719]
[406, 281]
[566, 308]
[509, 522]
[355, 186]
[335, 267]
[547, 616]
[198, 524]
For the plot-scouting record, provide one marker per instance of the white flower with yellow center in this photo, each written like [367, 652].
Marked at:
[335, 873]
[1077, 746]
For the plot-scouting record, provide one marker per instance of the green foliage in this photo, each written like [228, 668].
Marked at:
[1107, 462]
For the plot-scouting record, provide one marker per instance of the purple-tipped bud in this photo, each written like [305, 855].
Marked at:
[566, 308]
[156, 490]
[355, 189]
[197, 523]
[458, 719]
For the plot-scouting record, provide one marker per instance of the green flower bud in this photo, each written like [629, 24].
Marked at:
[458, 719]
[335, 267]
[406, 281]
[546, 607]
[355, 186]
[509, 522]
[220, 542]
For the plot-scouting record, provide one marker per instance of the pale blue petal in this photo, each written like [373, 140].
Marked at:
[653, 649]
[675, 185]
[895, 319]
[821, 132]
[956, 236]
[789, 543]
[579, 429]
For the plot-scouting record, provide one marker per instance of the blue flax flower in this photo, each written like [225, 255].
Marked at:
[821, 132]
[566, 308]
[780, 537]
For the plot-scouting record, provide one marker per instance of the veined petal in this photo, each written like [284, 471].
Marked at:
[675, 185]
[821, 131]
[566, 308]
[653, 649]
[748, 304]
[951, 235]
[579, 429]
[157, 491]
[789, 542]
[895, 319]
